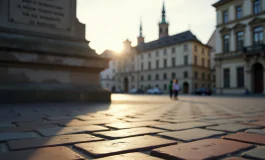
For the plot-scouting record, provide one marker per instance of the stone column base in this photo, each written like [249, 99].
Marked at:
[46, 93]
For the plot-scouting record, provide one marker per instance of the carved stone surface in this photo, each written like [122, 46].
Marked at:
[44, 54]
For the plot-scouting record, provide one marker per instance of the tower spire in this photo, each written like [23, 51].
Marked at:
[163, 25]
[141, 28]
[163, 14]
[141, 37]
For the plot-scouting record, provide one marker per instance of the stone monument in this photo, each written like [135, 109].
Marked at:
[44, 56]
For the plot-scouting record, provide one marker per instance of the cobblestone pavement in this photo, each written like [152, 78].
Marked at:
[135, 127]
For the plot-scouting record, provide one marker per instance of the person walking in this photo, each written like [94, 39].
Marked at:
[176, 89]
[170, 88]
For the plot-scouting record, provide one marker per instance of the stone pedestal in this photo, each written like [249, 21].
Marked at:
[44, 56]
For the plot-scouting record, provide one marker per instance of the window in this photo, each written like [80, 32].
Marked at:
[149, 77]
[258, 35]
[240, 77]
[142, 56]
[173, 50]
[157, 53]
[157, 86]
[209, 77]
[149, 65]
[133, 79]
[195, 48]
[173, 62]
[226, 78]
[185, 74]
[186, 60]
[173, 75]
[256, 6]
[142, 66]
[142, 78]
[202, 50]
[157, 77]
[203, 62]
[195, 75]
[165, 51]
[195, 60]
[157, 64]
[165, 63]
[185, 48]
[149, 55]
[239, 40]
[209, 63]
[203, 76]
[165, 87]
[238, 12]
[225, 17]
[165, 76]
[226, 43]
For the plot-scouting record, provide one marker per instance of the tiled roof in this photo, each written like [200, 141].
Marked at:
[166, 41]
[221, 2]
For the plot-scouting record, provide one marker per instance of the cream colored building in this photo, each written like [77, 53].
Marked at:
[240, 59]
[107, 76]
[212, 44]
[154, 64]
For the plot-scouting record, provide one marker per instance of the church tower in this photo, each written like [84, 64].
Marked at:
[141, 38]
[163, 25]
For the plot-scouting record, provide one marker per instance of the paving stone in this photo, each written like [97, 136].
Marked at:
[58, 117]
[257, 123]
[221, 121]
[21, 119]
[247, 137]
[130, 156]
[192, 134]
[183, 126]
[257, 153]
[86, 123]
[234, 158]
[70, 130]
[11, 136]
[231, 127]
[25, 129]
[50, 141]
[256, 131]
[133, 124]
[120, 146]
[129, 132]
[202, 149]
[36, 123]
[139, 119]
[52, 153]
[179, 120]
[89, 118]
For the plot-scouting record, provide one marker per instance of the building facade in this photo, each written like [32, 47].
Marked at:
[240, 59]
[107, 76]
[212, 44]
[154, 64]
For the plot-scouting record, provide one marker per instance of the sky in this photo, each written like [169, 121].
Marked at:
[110, 22]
